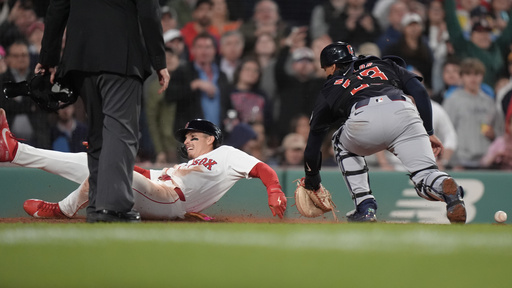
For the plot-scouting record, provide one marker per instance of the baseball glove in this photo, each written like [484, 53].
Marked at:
[312, 203]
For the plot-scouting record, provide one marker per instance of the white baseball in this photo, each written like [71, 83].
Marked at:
[500, 216]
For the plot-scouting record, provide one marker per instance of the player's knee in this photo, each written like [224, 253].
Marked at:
[84, 190]
[429, 184]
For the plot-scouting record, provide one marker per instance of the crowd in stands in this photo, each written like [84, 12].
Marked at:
[252, 67]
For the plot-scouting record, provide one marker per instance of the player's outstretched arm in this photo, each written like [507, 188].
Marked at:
[276, 197]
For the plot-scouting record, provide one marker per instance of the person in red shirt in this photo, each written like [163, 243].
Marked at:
[202, 22]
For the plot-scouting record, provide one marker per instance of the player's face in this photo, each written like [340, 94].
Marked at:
[329, 70]
[198, 143]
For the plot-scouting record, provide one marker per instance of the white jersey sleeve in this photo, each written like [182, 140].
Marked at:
[205, 179]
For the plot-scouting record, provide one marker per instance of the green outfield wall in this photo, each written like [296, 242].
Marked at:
[486, 192]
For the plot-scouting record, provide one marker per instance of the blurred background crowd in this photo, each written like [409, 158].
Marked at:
[252, 67]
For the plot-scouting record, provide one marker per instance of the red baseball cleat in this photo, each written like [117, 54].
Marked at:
[42, 209]
[8, 144]
[197, 216]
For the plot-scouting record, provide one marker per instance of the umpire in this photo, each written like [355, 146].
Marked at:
[110, 46]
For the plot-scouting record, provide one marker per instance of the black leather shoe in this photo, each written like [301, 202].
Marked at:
[113, 216]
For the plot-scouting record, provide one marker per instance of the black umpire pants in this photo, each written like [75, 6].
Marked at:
[113, 104]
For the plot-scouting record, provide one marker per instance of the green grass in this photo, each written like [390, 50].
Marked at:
[255, 255]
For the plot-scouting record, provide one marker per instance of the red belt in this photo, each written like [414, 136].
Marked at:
[166, 177]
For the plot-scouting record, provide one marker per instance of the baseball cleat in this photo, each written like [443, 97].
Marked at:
[198, 216]
[366, 212]
[42, 209]
[8, 144]
[455, 208]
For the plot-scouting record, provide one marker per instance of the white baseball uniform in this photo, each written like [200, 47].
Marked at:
[167, 194]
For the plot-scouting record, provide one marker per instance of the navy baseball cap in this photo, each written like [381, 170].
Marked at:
[200, 125]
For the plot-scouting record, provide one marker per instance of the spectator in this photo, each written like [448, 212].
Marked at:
[265, 19]
[265, 51]
[499, 153]
[4, 10]
[242, 137]
[220, 18]
[435, 30]
[451, 79]
[463, 12]
[174, 40]
[445, 131]
[200, 89]
[260, 149]
[413, 47]
[161, 115]
[393, 28]
[292, 151]
[323, 15]
[369, 48]
[231, 49]
[300, 125]
[3, 65]
[480, 44]
[499, 15]
[296, 13]
[21, 16]
[251, 103]
[168, 18]
[355, 24]
[508, 87]
[27, 120]
[201, 22]
[317, 45]
[297, 91]
[68, 134]
[184, 10]
[503, 96]
[473, 115]
[34, 37]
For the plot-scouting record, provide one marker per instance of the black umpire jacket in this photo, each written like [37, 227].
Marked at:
[115, 36]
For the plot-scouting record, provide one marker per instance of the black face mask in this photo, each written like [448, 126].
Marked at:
[50, 97]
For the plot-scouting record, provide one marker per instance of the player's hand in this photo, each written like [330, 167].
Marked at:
[40, 69]
[277, 201]
[163, 78]
[437, 145]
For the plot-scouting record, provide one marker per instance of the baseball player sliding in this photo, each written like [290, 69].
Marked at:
[159, 194]
[367, 95]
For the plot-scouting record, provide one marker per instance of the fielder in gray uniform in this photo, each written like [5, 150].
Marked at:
[368, 97]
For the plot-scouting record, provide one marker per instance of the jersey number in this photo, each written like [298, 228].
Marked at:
[372, 72]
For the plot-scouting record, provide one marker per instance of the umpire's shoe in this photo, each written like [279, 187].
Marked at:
[455, 208]
[365, 212]
[113, 216]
